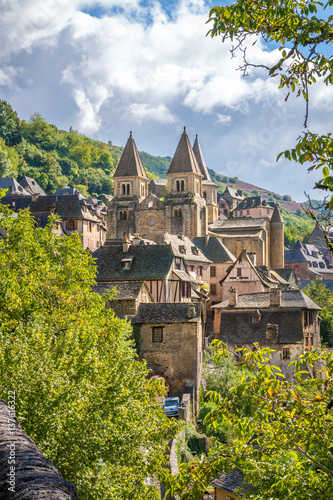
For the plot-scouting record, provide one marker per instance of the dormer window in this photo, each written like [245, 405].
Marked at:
[182, 249]
[194, 250]
[256, 317]
[178, 263]
[127, 262]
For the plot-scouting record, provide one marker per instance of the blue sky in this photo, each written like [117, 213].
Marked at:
[112, 66]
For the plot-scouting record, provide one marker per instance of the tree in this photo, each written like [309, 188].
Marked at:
[322, 296]
[302, 37]
[10, 125]
[284, 447]
[80, 392]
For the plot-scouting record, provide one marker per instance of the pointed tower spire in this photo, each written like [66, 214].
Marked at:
[200, 159]
[130, 164]
[276, 217]
[184, 160]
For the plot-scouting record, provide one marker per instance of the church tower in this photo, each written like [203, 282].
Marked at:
[276, 240]
[130, 188]
[209, 189]
[186, 210]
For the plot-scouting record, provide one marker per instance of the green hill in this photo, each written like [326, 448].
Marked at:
[56, 158]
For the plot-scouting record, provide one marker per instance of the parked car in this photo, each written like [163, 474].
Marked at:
[171, 406]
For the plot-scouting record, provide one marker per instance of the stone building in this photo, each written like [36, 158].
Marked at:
[170, 337]
[184, 209]
[128, 295]
[229, 201]
[246, 277]
[221, 260]
[261, 236]
[284, 320]
[317, 238]
[158, 187]
[255, 207]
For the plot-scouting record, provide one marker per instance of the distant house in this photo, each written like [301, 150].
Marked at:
[165, 273]
[229, 201]
[31, 186]
[285, 320]
[13, 187]
[220, 261]
[317, 239]
[128, 296]
[158, 187]
[255, 207]
[308, 261]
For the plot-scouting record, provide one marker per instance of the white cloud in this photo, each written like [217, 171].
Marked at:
[223, 118]
[159, 113]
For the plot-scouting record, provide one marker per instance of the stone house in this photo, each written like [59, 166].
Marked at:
[184, 209]
[128, 295]
[284, 320]
[317, 238]
[255, 207]
[221, 259]
[170, 337]
[228, 483]
[246, 277]
[308, 261]
[261, 236]
[229, 201]
[165, 273]
[158, 187]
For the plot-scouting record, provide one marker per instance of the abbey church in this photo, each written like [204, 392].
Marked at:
[189, 206]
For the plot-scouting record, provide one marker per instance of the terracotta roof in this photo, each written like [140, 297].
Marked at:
[184, 160]
[215, 251]
[200, 159]
[164, 312]
[130, 164]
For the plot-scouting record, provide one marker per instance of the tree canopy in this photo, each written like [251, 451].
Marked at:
[80, 392]
[303, 33]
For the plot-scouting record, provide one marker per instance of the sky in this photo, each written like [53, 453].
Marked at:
[109, 67]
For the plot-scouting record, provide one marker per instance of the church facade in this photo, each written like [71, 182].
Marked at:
[189, 206]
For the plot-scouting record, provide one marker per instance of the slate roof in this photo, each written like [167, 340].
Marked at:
[251, 202]
[165, 312]
[288, 274]
[148, 262]
[184, 160]
[200, 159]
[68, 191]
[159, 182]
[32, 186]
[232, 192]
[183, 247]
[289, 299]
[67, 207]
[277, 216]
[127, 290]
[215, 251]
[327, 283]
[17, 202]
[238, 224]
[296, 255]
[231, 481]
[12, 186]
[130, 164]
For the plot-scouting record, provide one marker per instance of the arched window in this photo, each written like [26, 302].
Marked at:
[205, 195]
[176, 213]
[120, 215]
[128, 190]
[180, 214]
[182, 185]
[125, 215]
[177, 186]
[123, 189]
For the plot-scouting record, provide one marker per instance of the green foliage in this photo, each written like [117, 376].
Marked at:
[255, 192]
[10, 125]
[284, 447]
[296, 227]
[322, 296]
[233, 180]
[80, 392]
[286, 197]
[156, 165]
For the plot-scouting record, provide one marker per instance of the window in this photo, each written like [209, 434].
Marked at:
[247, 212]
[200, 270]
[89, 227]
[241, 213]
[128, 189]
[286, 353]
[70, 225]
[182, 185]
[157, 334]
[178, 262]
[122, 215]
[311, 341]
[123, 189]
[186, 289]
[213, 271]
[177, 186]
[205, 195]
[213, 289]
[239, 272]
[256, 318]
[226, 211]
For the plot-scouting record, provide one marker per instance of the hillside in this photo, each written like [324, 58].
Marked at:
[56, 158]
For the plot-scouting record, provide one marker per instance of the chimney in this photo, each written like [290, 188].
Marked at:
[232, 297]
[275, 297]
[191, 311]
[52, 209]
[253, 258]
[136, 239]
[240, 192]
[126, 245]
[206, 240]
